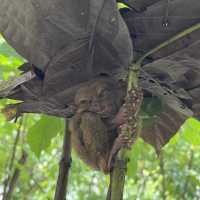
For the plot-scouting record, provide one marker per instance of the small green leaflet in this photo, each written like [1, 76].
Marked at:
[40, 134]
[121, 5]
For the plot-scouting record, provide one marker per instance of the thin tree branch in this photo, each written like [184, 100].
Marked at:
[12, 159]
[15, 176]
[15, 144]
[64, 166]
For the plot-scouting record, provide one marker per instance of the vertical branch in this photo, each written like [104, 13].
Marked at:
[15, 176]
[118, 174]
[12, 159]
[132, 130]
[64, 166]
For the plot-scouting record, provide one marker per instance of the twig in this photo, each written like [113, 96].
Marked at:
[15, 144]
[65, 164]
[15, 176]
[13, 154]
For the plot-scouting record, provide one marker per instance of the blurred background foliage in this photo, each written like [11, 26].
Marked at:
[30, 150]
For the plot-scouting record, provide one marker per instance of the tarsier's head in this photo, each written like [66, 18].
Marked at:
[103, 96]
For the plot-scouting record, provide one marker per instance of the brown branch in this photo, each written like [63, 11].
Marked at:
[15, 176]
[64, 166]
[117, 180]
[13, 154]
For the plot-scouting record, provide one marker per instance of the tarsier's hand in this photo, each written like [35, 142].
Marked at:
[129, 109]
[126, 120]
[127, 115]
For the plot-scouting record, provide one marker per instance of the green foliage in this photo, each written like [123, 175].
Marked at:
[189, 132]
[122, 5]
[140, 151]
[42, 132]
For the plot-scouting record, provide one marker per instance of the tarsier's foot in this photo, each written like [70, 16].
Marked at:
[122, 141]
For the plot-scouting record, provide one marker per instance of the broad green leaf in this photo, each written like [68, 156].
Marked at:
[189, 132]
[134, 157]
[139, 151]
[6, 50]
[40, 134]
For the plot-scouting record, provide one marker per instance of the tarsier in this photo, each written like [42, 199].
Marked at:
[94, 126]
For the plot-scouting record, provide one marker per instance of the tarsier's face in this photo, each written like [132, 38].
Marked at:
[100, 96]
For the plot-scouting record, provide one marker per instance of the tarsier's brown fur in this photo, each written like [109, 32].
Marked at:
[94, 126]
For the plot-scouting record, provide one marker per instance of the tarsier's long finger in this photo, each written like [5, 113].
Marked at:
[127, 113]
